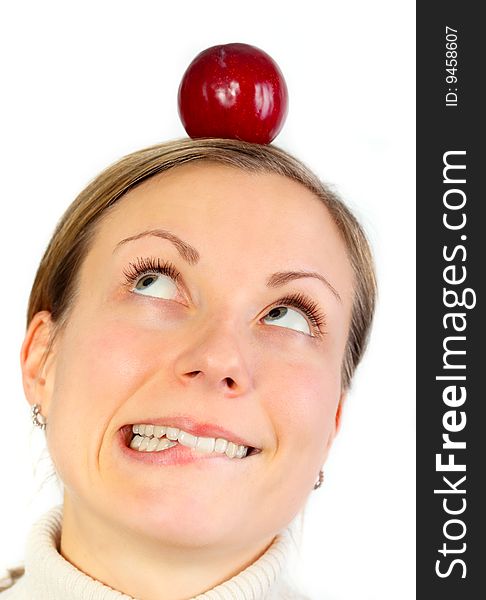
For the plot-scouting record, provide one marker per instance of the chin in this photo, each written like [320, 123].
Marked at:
[182, 518]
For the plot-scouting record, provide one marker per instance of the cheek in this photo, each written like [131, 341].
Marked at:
[301, 398]
[303, 401]
[107, 361]
[100, 366]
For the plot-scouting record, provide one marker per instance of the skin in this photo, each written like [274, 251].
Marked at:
[208, 351]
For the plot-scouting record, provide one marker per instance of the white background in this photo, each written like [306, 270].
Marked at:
[85, 83]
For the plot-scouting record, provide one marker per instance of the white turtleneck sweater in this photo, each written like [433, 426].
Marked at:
[49, 576]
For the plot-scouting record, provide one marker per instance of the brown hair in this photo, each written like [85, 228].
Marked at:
[55, 283]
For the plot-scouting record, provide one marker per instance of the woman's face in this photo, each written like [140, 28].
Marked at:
[206, 348]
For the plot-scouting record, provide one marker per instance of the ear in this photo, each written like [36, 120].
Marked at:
[337, 419]
[36, 361]
[339, 411]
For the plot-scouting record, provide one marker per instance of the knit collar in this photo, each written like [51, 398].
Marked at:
[51, 576]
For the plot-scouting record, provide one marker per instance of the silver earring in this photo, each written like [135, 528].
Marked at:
[38, 419]
[318, 483]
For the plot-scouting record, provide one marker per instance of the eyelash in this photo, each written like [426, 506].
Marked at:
[144, 266]
[309, 307]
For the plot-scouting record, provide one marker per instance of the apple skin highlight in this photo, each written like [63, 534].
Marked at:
[233, 91]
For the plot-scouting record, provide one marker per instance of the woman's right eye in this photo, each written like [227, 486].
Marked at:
[156, 286]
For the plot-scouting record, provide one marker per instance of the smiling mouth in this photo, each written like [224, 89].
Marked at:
[158, 438]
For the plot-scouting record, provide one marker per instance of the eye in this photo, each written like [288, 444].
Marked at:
[150, 277]
[156, 285]
[290, 318]
[306, 317]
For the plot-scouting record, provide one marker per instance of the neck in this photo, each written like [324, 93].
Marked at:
[141, 567]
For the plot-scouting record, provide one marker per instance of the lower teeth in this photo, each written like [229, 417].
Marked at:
[152, 444]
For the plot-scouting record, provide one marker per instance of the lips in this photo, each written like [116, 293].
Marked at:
[188, 424]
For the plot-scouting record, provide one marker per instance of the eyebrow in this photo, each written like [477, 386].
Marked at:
[188, 252]
[192, 256]
[283, 277]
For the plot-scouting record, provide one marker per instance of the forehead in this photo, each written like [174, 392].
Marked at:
[235, 217]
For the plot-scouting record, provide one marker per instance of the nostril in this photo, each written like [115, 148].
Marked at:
[193, 374]
[230, 382]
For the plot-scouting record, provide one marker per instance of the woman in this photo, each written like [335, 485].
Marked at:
[193, 328]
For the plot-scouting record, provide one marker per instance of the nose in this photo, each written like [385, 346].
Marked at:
[214, 358]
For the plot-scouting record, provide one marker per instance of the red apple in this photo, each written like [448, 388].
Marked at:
[233, 91]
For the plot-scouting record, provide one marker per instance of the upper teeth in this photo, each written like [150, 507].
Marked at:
[147, 440]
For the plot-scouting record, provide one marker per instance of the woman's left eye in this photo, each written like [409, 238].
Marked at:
[283, 316]
[155, 285]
